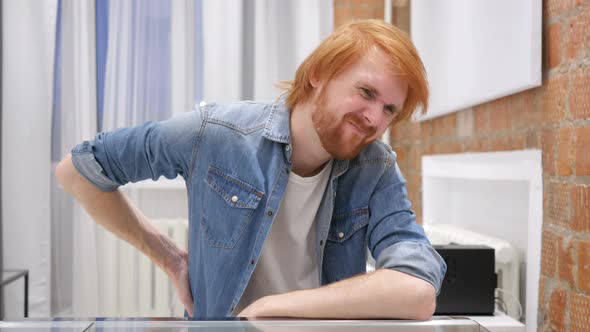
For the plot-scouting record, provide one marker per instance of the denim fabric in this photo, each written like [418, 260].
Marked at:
[243, 150]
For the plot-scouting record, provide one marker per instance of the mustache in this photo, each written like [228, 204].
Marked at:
[360, 121]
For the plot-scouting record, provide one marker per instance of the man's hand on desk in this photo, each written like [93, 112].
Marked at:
[260, 308]
[380, 294]
[178, 274]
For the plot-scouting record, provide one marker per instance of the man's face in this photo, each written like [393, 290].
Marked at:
[355, 108]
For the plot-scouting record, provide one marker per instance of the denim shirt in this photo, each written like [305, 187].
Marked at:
[243, 151]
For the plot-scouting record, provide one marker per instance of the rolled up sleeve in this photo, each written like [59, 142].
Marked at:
[84, 161]
[393, 236]
[416, 259]
[147, 151]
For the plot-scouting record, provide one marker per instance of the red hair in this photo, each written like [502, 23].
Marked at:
[346, 45]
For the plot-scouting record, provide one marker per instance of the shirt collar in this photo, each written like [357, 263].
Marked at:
[277, 126]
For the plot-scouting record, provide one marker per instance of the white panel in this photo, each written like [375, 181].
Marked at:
[477, 51]
[497, 193]
[28, 51]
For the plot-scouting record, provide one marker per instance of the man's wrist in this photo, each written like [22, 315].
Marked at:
[164, 252]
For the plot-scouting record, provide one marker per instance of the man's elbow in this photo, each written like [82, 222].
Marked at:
[425, 301]
[65, 172]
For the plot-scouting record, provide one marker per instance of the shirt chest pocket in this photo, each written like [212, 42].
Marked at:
[345, 226]
[229, 204]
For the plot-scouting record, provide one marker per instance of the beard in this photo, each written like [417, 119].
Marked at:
[337, 140]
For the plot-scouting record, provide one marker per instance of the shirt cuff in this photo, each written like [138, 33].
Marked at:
[84, 161]
[416, 259]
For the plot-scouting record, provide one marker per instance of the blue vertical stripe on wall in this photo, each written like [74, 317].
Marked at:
[102, 36]
[56, 105]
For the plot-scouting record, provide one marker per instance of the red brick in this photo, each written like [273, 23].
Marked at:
[578, 36]
[553, 8]
[565, 151]
[549, 251]
[341, 3]
[444, 126]
[579, 312]
[368, 3]
[533, 139]
[553, 47]
[580, 196]
[565, 262]
[554, 99]
[397, 133]
[401, 151]
[583, 150]
[362, 12]
[425, 131]
[557, 306]
[583, 266]
[521, 110]
[405, 132]
[449, 147]
[542, 292]
[481, 119]
[415, 158]
[580, 94]
[342, 15]
[548, 147]
[486, 145]
[557, 203]
[379, 13]
[474, 145]
[518, 142]
[501, 144]
[413, 130]
[499, 116]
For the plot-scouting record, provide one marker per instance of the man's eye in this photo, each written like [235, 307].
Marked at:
[366, 93]
[389, 110]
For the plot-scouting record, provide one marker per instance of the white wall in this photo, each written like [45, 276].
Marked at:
[28, 42]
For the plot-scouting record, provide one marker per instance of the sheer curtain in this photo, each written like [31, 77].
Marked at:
[152, 71]
[137, 79]
[74, 120]
[258, 43]
[28, 31]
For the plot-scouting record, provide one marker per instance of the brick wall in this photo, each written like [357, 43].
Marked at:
[554, 118]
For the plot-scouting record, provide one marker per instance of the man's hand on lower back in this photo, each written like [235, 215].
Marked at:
[179, 276]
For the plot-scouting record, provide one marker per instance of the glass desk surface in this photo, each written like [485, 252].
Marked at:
[436, 324]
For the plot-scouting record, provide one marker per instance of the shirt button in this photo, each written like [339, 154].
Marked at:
[340, 235]
[269, 213]
[321, 243]
[234, 199]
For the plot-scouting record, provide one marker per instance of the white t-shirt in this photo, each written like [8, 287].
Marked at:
[288, 261]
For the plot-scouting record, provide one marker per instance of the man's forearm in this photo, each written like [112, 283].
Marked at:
[116, 213]
[380, 294]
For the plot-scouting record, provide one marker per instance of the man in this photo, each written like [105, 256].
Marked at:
[284, 198]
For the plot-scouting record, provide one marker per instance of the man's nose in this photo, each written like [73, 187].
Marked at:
[373, 113]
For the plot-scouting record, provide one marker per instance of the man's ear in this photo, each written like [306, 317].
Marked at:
[314, 81]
